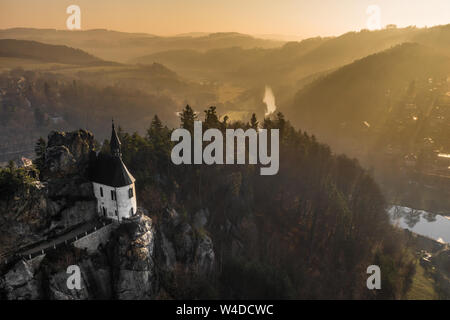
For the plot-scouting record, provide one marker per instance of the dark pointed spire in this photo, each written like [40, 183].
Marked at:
[115, 142]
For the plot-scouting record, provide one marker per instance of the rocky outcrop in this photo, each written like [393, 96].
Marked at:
[23, 217]
[201, 218]
[21, 281]
[75, 188]
[95, 279]
[63, 199]
[137, 259]
[70, 197]
[58, 290]
[68, 152]
[204, 255]
[138, 262]
[133, 259]
[185, 245]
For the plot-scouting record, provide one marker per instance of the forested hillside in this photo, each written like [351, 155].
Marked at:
[308, 232]
[70, 97]
[362, 91]
[394, 119]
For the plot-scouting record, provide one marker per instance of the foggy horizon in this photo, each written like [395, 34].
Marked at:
[294, 19]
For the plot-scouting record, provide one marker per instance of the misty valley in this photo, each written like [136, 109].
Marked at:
[341, 162]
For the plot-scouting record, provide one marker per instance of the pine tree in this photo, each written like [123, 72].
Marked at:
[188, 116]
[280, 123]
[254, 122]
[211, 118]
[156, 123]
[158, 135]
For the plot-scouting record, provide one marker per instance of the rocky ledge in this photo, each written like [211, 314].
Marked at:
[140, 259]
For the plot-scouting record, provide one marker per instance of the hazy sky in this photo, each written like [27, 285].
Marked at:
[292, 17]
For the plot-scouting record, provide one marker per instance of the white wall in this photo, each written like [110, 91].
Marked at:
[94, 239]
[123, 204]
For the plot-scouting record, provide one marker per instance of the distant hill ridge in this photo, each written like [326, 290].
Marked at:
[295, 61]
[45, 52]
[363, 90]
[122, 46]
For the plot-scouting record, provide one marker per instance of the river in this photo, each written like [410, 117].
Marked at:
[421, 222]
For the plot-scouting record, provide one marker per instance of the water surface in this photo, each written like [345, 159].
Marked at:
[422, 222]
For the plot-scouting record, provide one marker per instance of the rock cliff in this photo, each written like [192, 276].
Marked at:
[140, 260]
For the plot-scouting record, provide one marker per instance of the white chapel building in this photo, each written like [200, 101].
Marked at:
[113, 183]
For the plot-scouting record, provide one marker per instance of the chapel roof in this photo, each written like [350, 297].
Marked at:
[114, 142]
[111, 171]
